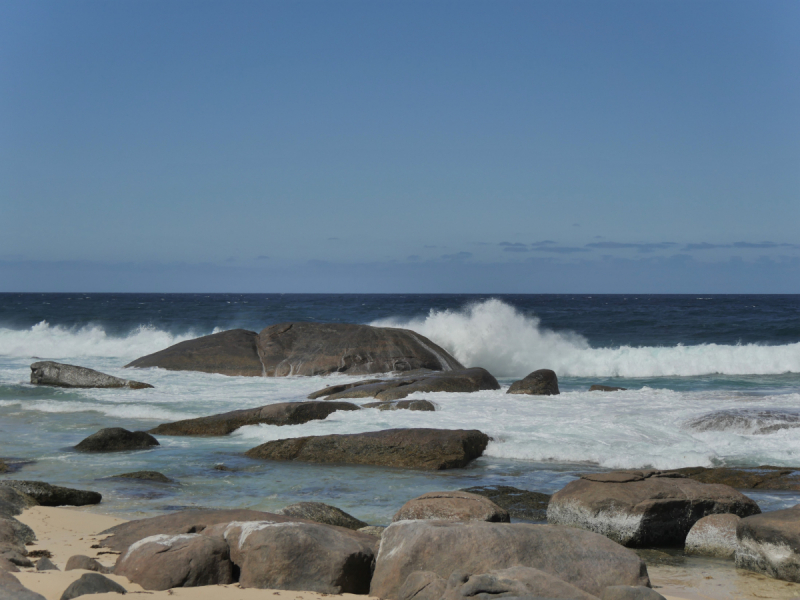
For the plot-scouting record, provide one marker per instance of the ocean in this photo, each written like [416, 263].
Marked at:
[682, 359]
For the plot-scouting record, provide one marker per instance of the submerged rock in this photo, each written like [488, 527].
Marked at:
[146, 476]
[643, 508]
[284, 413]
[606, 388]
[61, 375]
[747, 420]
[543, 382]
[117, 439]
[452, 506]
[520, 504]
[322, 513]
[430, 449]
[53, 495]
[424, 405]
[769, 543]
[462, 381]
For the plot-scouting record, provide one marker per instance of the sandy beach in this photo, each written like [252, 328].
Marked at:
[65, 532]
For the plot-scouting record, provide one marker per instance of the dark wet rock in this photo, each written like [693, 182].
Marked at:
[583, 559]
[643, 508]
[514, 581]
[92, 583]
[452, 506]
[543, 382]
[396, 388]
[61, 375]
[45, 564]
[606, 388]
[4, 468]
[146, 476]
[321, 513]
[121, 536]
[424, 405]
[225, 468]
[376, 530]
[53, 495]
[13, 501]
[162, 562]
[629, 592]
[765, 477]
[284, 413]
[430, 449]
[12, 465]
[231, 352]
[80, 561]
[747, 420]
[302, 556]
[769, 543]
[117, 439]
[12, 589]
[520, 504]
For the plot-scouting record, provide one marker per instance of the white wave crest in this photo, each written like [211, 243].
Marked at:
[496, 336]
[55, 341]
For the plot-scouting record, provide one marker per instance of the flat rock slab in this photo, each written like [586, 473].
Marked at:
[643, 509]
[304, 349]
[765, 477]
[117, 439]
[61, 375]
[452, 506]
[321, 513]
[520, 504]
[284, 413]
[429, 449]
[583, 559]
[396, 388]
[769, 543]
[53, 495]
[543, 382]
[423, 405]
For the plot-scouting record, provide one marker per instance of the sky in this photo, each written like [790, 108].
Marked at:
[400, 146]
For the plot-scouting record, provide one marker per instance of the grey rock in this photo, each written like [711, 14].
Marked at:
[628, 592]
[86, 563]
[606, 388]
[12, 589]
[520, 504]
[13, 501]
[769, 543]
[539, 383]
[452, 506]
[15, 533]
[91, 583]
[423, 405]
[61, 375]
[146, 476]
[53, 495]
[714, 535]
[321, 513]
[117, 439]
[45, 564]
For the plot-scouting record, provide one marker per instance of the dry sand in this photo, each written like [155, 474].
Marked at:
[65, 532]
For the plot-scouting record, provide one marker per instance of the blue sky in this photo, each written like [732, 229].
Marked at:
[400, 146]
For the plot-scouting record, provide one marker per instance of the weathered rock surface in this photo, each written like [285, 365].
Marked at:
[539, 383]
[422, 585]
[452, 506]
[396, 388]
[12, 589]
[146, 476]
[769, 543]
[430, 449]
[606, 388]
[304, 349]
[162, 562]
[643, 508]
[627, 592]
[376, 530]
[53, 495]
[520, 504]
[13, 501]
[61, 375]
[15, 533]
[765, 477]
[321, 513]
[714, 535]
[117, 439]
[284, 413]
[581, 558]
[302, 556]
[91, 583]
[80, 561]
[511, 582]
[424, 405]
[45, 564]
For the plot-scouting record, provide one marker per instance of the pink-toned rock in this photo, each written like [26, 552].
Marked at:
[452, 506]
[714, 535]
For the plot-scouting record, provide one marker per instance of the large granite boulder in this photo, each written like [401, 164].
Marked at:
[583, 559]
[162, 562]
[765, 477]
[423, 405]
[643, 509]
[12, 589]
[283, 413]
[61, 375]
[520, 504]
[304, 349]
[461, 381]
[430, 449]
[91, 583]
[117, 439]
[321, 513]
[511, 582]
[53, 495]
[452, 506]
[543, 382]
[301, 556]
[714, 535]
[769, 543]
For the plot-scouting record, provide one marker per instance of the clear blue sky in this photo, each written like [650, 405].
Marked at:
[497, 146]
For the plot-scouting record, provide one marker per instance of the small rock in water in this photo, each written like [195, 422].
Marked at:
[606, 388]
[61, 375]
[117, 439]
[424, 405]
[543, 382]
[520, 504]
[146, 476]
[321, 513]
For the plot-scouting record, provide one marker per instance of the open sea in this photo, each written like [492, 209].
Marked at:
[682, 358]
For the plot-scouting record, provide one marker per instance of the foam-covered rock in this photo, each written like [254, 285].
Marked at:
[769, 543]
[714, 535]
[61, 375]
